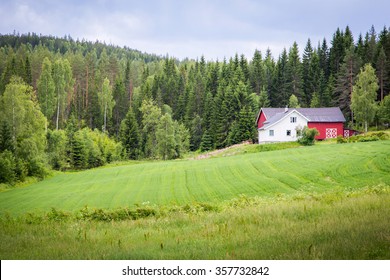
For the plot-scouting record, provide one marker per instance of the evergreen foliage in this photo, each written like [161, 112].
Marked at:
[78, 84]
[130, 135]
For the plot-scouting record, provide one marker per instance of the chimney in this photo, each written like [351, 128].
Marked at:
[286, 109]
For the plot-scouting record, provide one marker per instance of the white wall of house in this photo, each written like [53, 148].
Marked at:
[285, 130]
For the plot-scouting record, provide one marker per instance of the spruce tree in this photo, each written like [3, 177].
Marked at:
[345, 81]
[295, 72]
[257, 73]
[206, 143]
[382, 72]
[130, 136]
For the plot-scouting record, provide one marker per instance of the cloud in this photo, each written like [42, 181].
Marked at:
[217, 28]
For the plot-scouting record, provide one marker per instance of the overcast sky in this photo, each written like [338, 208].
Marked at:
[180, 28]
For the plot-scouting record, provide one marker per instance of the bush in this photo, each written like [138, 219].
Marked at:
[382, 135]
[8, 168]
[308, 136]
[92, 148]
[368, 138]
[56, 148]
[341, 140]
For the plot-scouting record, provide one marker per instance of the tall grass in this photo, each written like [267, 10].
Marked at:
[333, 225]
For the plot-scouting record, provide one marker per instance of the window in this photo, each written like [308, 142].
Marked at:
[293, 119]
[288, 133]
[271, 133]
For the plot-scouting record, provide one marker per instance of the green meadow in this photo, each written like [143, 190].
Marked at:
[320, 202]
[298, 170]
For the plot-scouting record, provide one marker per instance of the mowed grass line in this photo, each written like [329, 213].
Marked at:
[309, 169]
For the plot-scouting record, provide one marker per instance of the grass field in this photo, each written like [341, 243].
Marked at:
[336, 225]
[298, 170]
[321, 202]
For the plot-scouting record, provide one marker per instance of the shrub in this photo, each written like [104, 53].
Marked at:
[382, 135]
[92, 148]
[368, 138]
[56, 148]
[308, 136]
[57, 215]
[8, 168]
[341, 140]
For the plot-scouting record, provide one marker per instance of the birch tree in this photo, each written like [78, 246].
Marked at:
[46, 88]
[63, 81]
[106, 101]
[363, 103]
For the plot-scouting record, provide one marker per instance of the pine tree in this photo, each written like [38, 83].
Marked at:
[323, 53]
[263, 99]
[206, 143]
[221, 118]
[27, 71]
[257, 73]
[243, 128]
[336, 52]
[295, 72]
[382, 72]
[196, 132]
[370, 47]
[314, 78]
[281, 83]
[269, 72]
[345, 81]
[121, 106]
[130, 136]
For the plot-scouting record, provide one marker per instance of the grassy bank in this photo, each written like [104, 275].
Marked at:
[333, 225]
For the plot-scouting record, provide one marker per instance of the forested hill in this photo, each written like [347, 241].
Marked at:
[158, 107]
[68, 44]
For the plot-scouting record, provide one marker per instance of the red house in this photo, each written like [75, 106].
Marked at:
[282, 124]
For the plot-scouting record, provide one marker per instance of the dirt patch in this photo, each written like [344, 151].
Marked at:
[217, 152]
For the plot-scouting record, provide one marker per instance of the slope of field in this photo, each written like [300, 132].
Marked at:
[310, 169]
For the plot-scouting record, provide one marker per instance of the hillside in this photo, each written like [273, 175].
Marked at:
[304, 170]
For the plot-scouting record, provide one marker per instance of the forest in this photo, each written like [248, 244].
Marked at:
[70, 104]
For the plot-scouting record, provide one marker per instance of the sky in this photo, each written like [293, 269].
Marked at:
[190, 29]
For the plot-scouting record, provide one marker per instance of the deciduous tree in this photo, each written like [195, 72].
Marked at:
[363, 102]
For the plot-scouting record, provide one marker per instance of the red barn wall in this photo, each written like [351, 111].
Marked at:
[261, 120]
[322, 127]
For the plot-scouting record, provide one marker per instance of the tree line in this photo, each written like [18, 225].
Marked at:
[93, 103]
